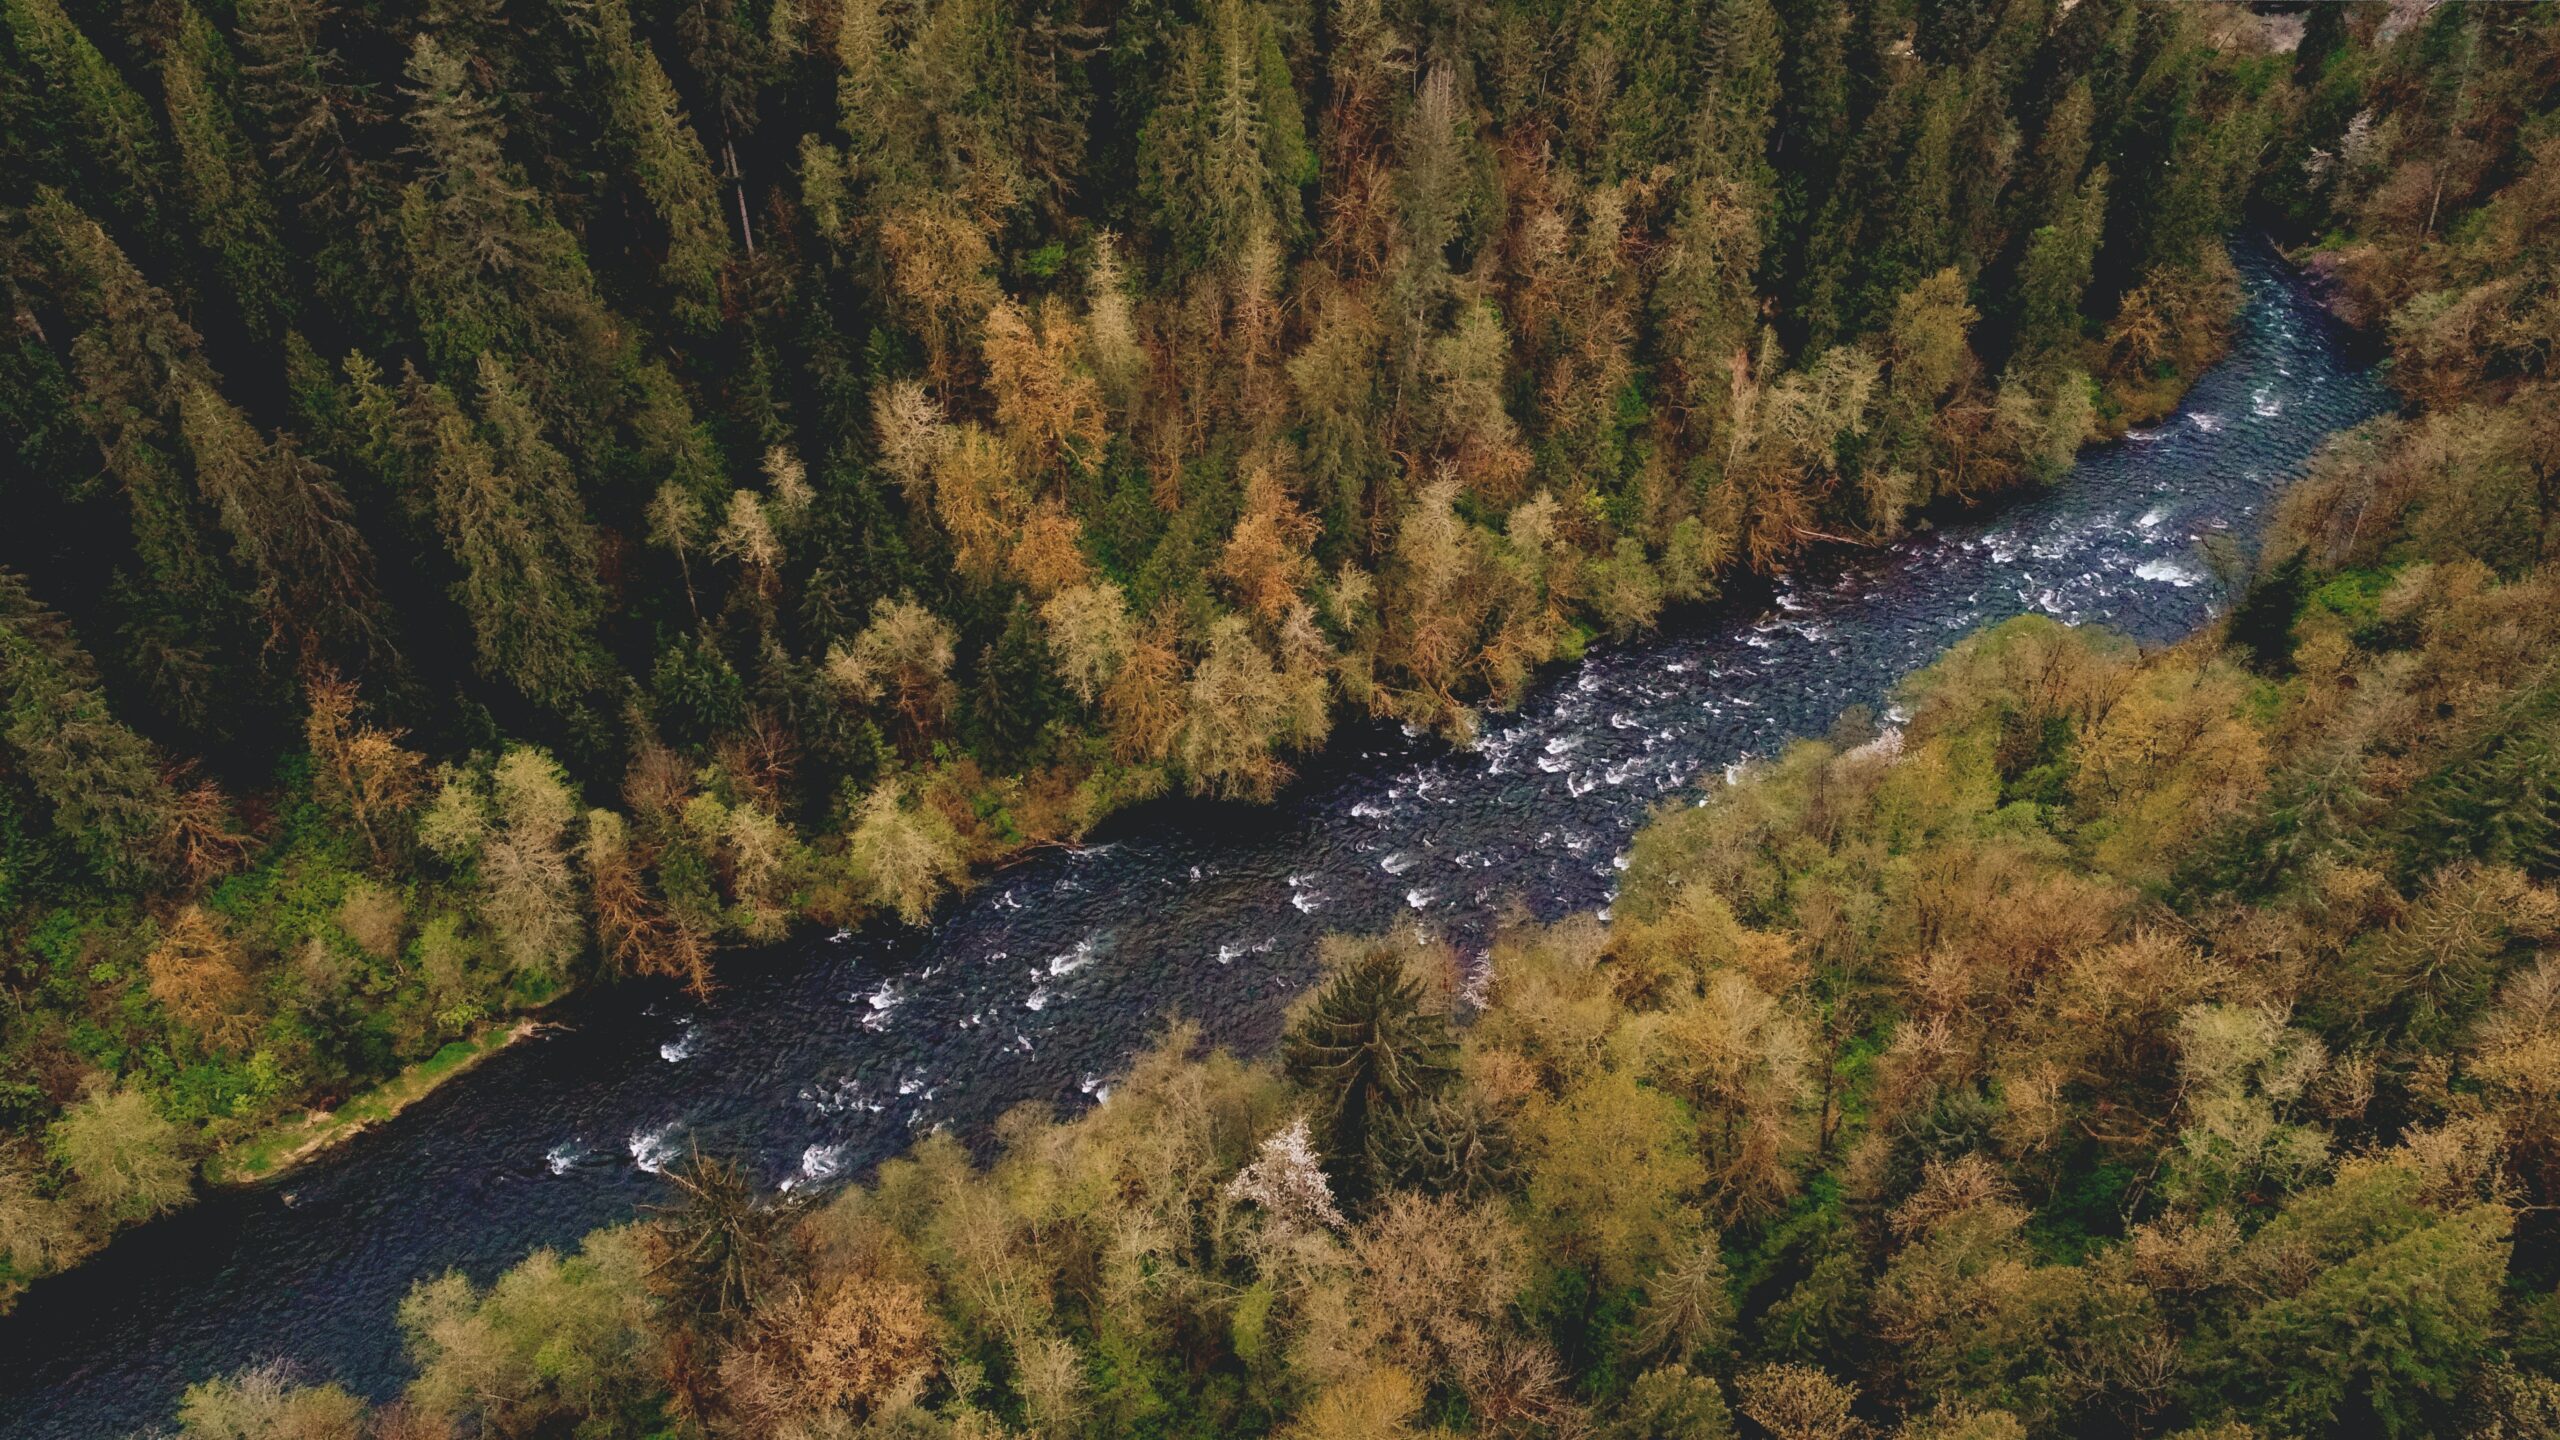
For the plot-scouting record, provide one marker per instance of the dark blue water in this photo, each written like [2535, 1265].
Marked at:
[824, 1057]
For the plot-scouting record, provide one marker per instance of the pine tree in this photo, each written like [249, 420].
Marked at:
[220, 180]
[506, 507]
[1017, 688]
[317, 116]
[109, 122]
[490, 270]
[667, 159]
[291, 528]
[188, 631]
[2054, 276]
[1224, 152]
[102, 782]
[1369, 1048]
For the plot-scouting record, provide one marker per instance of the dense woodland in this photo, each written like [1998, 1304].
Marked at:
[669, 474]
[2129, 1045]
[507, 493]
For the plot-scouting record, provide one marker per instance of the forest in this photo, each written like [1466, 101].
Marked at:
[524, 493]
[516, 493]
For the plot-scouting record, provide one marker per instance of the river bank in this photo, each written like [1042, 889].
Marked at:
[275, 1151]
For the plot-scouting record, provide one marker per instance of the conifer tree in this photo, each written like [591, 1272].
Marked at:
[1224, 152]
[191, 628]
[2054, 275]
[220, 179]
[110, 123]
[667, 159]
[1369, 1046]
[504, 503]
[102, 781]
[1017, 685]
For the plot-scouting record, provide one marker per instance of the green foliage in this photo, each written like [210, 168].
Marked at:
[554, 1340]
[1372, 1045]
[2381, 1339]
[2262, 623]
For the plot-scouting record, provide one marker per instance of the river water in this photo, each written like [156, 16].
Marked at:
[821, 1058]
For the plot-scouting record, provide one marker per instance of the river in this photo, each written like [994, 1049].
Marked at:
[820, 1058]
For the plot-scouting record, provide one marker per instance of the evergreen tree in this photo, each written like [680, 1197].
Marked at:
[2054, 276]
[1371, 1048]
[224, 188]
[507, 508]
[109, 124]
[1224, 152]
[1017, 686]
[666, 158]
[187, 627]
[101, 781]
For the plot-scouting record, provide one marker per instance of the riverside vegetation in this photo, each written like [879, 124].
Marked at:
[511, 493]
[2129, 1044]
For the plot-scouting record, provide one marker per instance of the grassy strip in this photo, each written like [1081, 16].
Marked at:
[282, 1146]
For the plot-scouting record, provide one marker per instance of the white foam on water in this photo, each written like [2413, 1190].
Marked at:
[881, 1001]
[563, 1157]
[1073, 960]
[653, 1150]
[1307, 901]
[2168, 572]
[1398, 863]
[2205, 421]
[1420, 899]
